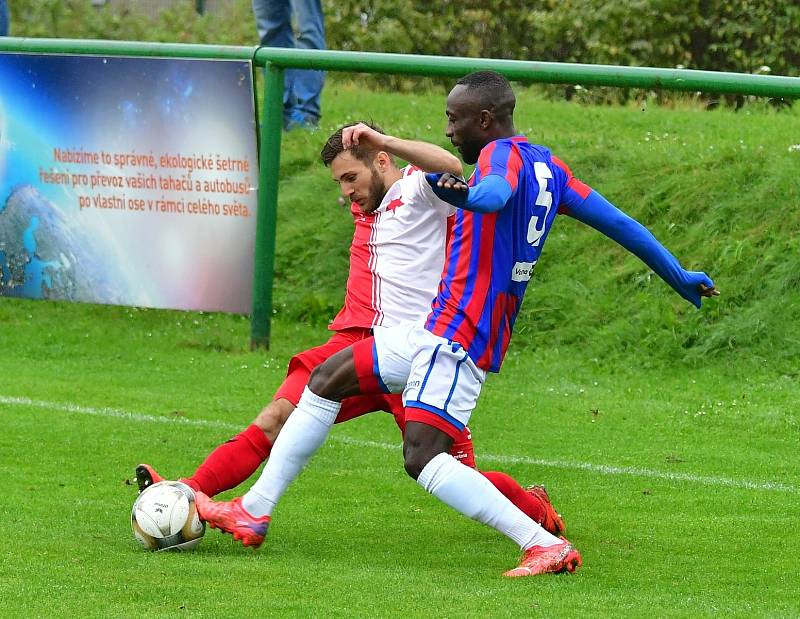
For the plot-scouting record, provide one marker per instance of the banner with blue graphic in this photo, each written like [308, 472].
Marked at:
[128, 181]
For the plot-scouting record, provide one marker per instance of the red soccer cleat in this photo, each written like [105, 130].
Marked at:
[146, 476]
[231, 517]
[537, 560]
[553, 522]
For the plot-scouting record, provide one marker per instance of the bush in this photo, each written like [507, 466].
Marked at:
[744, 36]
[124, 21]
[720, 35]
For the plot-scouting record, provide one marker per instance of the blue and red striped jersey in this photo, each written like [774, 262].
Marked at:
[491, 256]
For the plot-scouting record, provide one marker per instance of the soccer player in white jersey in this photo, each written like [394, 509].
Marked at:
[506, 212]
[396, 259]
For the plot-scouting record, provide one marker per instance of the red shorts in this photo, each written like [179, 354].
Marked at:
[303, 363]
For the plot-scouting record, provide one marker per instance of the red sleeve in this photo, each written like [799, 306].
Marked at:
[574, 192]
[501, 158]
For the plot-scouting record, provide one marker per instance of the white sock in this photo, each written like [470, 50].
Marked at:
[466, 490]
[299, 439]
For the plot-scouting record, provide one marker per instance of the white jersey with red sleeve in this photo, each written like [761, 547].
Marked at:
[396, 257]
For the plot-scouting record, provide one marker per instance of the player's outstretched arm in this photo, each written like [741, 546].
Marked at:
[604, 217]
[428, 157]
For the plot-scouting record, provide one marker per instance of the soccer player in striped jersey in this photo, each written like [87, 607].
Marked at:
[396, 259]
[505, 214]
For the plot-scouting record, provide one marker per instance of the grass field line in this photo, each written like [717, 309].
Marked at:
[606, 469]
[603, 469]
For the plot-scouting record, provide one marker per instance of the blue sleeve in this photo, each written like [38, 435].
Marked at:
[488, 196]
[604, 217]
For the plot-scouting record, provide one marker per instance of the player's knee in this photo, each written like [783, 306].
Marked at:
[273, 417]
[416, 458]
[421, 444]
[413, 466]
[335, 379]
[322, 383]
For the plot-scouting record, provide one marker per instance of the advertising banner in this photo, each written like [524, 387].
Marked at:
[128, 181]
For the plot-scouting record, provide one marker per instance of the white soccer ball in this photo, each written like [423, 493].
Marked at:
[164, 517]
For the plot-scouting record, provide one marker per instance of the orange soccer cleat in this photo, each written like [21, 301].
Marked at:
[231, 517]
[553, 522]
[536, 560]
[146, 476]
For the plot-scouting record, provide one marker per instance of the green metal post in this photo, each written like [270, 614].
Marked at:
[126, 48]
[536, 71]
[269, 165]
[521, 70]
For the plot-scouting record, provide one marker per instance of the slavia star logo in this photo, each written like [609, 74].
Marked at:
[392, 206]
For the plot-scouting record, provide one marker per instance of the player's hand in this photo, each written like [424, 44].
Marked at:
[449, 188]
[362, 135]
[450, 181]
[708, 291]
[698, 285]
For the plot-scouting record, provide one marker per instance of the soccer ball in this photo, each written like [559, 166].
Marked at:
[164, 517]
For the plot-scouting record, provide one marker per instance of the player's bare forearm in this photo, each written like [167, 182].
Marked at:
[428, 157]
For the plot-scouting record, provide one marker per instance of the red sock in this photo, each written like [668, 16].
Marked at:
[515, 493]
[232, 462]
[463, 450]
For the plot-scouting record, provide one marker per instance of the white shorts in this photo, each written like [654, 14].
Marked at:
[432, 373]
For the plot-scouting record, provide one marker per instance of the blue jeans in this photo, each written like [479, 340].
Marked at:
[3, 18]
[302, 88]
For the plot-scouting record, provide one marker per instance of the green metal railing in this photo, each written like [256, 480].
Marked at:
[275, 60]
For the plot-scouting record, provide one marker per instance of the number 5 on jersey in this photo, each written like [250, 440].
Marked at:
[536, 226]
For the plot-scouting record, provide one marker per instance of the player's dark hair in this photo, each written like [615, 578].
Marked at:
[491, 91]
[333, 147]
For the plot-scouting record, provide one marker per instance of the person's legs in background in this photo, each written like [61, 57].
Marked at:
[3, 18]
[302, 88]
[307, 85]
[274, 25]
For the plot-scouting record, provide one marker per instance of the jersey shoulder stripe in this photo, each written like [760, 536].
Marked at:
[501, 157]
[582, 189]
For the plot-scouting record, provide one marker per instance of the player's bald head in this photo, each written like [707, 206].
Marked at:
[487, 90]
[480, 109]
